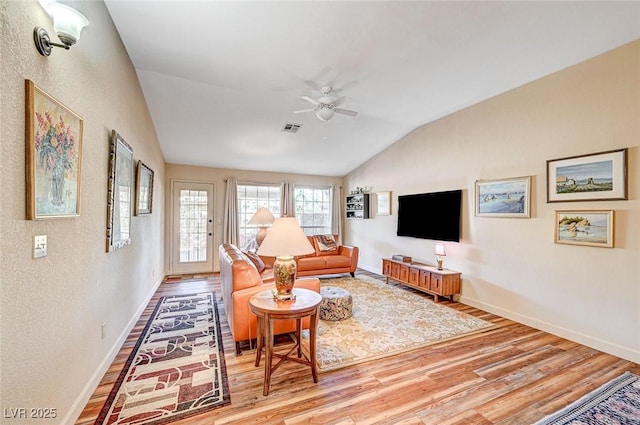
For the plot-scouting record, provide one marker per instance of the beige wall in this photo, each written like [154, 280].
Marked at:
[52, 309]
[512, 266]
[217, 176]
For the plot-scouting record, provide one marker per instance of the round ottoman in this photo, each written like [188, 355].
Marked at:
[336, 303]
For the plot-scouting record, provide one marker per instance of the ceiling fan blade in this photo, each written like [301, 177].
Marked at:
[339, 101]
[310, 100]
[313, 84]
[300, 111]
[345, 112]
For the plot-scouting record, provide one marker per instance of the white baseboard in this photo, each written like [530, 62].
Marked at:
[369, 268]
[572, 335]
[82, 400]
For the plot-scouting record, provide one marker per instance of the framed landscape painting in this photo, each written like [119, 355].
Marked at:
[54, 156]
[119, 193]
[504, 198]
[584, 227]
[144, 189]
[593, 177]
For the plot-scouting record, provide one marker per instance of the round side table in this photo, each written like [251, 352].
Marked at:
[267, 309]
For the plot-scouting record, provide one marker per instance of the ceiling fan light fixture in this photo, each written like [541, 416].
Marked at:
[324, 113]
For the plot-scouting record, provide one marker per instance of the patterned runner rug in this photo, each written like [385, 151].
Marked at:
[616, 402]
[386, 320]
[177, 367]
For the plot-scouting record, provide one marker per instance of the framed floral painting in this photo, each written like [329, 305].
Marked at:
[54, 156]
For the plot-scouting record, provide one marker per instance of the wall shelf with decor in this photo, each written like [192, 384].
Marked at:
[357, 205]
[443, 283]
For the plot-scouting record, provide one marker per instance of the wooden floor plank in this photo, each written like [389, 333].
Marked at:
[510, 375]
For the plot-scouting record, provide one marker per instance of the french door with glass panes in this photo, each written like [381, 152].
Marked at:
[192, 227]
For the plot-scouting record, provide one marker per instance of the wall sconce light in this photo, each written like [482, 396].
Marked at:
[440, 252]
[67, 23]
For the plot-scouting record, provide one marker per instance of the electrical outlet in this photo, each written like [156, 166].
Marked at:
[103, 330]
[39, 246]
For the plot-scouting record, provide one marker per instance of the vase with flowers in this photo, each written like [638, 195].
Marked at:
[56, 152]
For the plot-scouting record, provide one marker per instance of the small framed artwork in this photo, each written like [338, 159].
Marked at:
[383, 200]
[594, 177]
[54, 156]
[144, 189]
[504, 197]
[119, 193]
[584, 227]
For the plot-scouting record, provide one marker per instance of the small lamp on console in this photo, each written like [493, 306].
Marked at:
[262, 218]
[440, 252]
[284, 241]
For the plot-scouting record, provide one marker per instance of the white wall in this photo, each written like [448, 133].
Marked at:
[52, 309]
[512, 266]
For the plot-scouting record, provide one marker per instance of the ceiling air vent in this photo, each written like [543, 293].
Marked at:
[291, 128]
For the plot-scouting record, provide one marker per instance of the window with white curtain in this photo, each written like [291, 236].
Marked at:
[251, 197]
[313, 209]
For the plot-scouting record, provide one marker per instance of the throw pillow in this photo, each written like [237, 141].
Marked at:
[326, 243]
[257, 261]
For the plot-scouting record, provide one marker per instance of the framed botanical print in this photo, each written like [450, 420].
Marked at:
[383, 203]
[119, 193]
[144, 189]
[54, 156]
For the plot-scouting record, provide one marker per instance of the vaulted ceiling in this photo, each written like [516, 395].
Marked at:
[222, 78]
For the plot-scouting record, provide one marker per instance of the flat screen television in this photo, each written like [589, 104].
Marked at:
[433, 215]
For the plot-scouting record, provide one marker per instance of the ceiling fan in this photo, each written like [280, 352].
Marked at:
[326, 106]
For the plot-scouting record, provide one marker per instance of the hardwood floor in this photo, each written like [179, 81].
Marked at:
[512, 374]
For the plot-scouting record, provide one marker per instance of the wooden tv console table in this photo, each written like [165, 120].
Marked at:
[443, 283]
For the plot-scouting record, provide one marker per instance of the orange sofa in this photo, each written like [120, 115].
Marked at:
[342, 259]
[240, 280]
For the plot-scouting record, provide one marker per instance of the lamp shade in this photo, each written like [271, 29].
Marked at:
[67, 22]
[285, 238]
[439, 251]
[262, 217]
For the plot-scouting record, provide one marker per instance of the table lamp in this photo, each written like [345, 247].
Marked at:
[284, 241]
[440, 252]
[262, 218]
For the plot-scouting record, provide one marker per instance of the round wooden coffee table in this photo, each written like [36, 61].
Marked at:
[268, 309]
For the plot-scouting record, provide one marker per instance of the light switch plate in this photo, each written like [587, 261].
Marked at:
[39, 246]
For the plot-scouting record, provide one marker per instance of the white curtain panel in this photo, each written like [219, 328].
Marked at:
[230, 228]
[287, 200]
[336, 211]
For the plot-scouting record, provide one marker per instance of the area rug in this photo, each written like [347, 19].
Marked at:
[616, 402]
[386, 320]
[177, 367]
